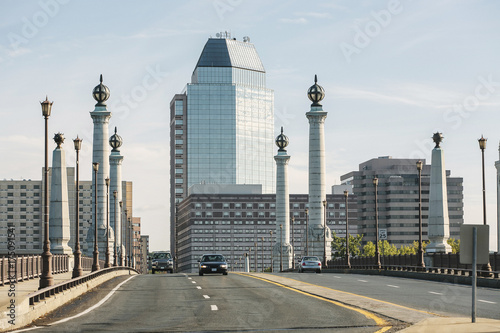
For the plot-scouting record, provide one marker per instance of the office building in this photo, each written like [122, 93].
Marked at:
[222, 124]
[233, 219]
[397, 192]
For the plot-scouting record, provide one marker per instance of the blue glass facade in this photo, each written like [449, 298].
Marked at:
[230, 118]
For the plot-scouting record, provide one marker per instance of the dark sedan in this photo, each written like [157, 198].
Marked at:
[212, 264]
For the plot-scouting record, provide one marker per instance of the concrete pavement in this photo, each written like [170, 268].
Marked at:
[421, 321]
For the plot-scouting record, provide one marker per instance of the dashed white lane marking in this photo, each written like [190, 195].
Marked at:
[193, 281]
[189, 278]
[489, 302]
[337, 277]
[435, 293]
[198, 287]
[206, 296]
[390, 285]
[362, 281]
[214, 307]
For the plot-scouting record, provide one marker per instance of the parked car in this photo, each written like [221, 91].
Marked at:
[162, 261]
[212, 264]
[310, 263]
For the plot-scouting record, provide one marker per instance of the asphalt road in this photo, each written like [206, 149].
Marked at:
[446, 299]
[210, 303]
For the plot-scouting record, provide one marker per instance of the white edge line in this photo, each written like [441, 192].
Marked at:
[392, 286]
[489, 302]
[435, 293]
[95, 305]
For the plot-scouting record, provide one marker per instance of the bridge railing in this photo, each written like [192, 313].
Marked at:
[25, 267]
[444, 263]
[53, 290]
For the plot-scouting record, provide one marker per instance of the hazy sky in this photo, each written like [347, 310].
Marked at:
[394, 73]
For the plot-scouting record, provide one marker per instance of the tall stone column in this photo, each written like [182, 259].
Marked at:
[100, 154]
[59, 229]
[497, 166]
[115, 161]
[282, 250]
[318, 245]
[439, 222]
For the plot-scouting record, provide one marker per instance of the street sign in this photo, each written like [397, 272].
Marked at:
[483, 243]
[382, 234]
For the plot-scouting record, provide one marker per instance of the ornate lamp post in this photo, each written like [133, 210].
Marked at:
[324, 235]
[115, 255]
[262, 250]
[307, 232]
[482, 146]
[271, 248]
[255, 256]
[293, 247]
[347, 256]
[95, 263]
[131, 242]
[377, 252]
[46, 279]
[77, 270]
[121, 233]
[107, 263]
[126, 238]
[420, 263]
[281, 247]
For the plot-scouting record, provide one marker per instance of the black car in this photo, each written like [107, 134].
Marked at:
[212, 264]
[162, 261]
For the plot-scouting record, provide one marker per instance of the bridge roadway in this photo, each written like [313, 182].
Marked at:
[254, 302]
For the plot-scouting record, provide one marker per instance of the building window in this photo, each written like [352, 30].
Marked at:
[179, 161]
[179, 132]
[179, 142]
[179, 171]
[179, 151]
[179, 180]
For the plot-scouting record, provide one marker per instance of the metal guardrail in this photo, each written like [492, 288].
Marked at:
[443, 263]
[25, 267]
[42, 294]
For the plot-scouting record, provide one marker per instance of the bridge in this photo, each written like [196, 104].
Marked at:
[360, 299]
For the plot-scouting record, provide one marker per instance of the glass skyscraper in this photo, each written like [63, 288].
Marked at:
[222, 125]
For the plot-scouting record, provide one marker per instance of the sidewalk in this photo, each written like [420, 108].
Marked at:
[454, 325]
[22, 289]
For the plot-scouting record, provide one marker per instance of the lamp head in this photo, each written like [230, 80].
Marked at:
[46, 107]
[95, 165]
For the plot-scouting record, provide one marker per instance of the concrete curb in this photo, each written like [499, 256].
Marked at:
[26, 313]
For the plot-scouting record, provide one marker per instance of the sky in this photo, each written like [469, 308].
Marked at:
[394, 73]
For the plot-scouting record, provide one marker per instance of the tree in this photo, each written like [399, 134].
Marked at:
[455, 245]
[369, 250]
[338, 245]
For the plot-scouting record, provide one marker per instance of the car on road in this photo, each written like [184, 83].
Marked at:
[310, 263]
[162, 261]
[212, 264]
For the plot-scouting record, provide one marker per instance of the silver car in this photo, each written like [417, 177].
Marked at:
[310, 263]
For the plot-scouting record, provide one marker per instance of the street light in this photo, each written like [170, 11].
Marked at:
[377, 252]
[77, 270]
[420, 263]
[46, 279]
[255, 256]
[126, 238]
[121, 232]
[107, 263]
[115, 255]
[95, 263]
[307, 232]
[293, 248]
[324, 235]
[271, 248]
[281, 247]
[348, 260]
[482, 146]
[262, 250]
[131, 247]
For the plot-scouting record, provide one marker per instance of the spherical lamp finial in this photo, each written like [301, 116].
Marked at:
[316, 93]
[101, 93]
[438, 138]
[282, 141]
[59, 139]
[115, 141]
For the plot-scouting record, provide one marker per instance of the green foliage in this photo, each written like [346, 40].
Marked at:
[339, 248]
[388, 249]
[455, 245]
[369, 250]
